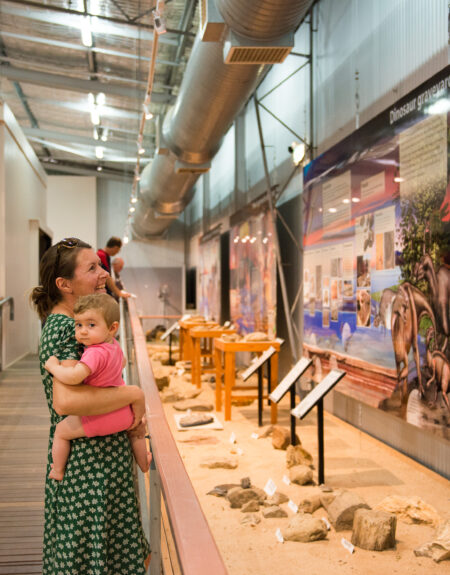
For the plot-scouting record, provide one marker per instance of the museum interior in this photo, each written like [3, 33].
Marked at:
[267, 186]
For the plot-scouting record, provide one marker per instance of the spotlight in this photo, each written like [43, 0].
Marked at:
[99, 168]
[148, 115]
[298, 152]
[99, 152]
[126, 239]
[134, 200]
[132, 209]
[86, 35]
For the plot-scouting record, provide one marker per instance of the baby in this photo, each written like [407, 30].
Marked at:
[96, 323]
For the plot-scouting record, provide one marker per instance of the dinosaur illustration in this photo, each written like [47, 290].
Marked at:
[440, 293]
[383, 316]
[440, 370]
[408, 308]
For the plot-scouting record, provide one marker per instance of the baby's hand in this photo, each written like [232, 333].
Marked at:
[51, 363]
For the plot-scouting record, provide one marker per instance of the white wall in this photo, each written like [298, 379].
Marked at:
[22, 195]
[112, 208]
[72, 208]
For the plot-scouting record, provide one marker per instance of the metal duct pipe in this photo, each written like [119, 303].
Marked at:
[263, 19]
[211, 95]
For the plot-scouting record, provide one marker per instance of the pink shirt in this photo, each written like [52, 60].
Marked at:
[105, 362]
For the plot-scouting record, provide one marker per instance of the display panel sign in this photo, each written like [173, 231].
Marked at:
[377, 258]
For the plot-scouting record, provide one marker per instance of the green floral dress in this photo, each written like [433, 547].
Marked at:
[92, 521]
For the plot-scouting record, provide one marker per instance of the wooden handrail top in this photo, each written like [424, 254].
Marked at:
[197, 550]
[160, 316]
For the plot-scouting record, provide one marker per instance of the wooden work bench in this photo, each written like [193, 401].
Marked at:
[208, 334]
[229, 350]
[185, 339]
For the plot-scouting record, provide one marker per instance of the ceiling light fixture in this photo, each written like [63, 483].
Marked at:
[86, 34]
[148, 115]
[132, 209]
[99, 152]
[134, 200]
[298, 152]
[126, 239]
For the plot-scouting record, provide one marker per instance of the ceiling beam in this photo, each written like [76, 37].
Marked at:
[36, 7]
[67, 168]
[71, 46]
[78, 85]
[125, 147]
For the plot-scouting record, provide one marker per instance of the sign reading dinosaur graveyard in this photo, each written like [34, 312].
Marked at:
[377, 259]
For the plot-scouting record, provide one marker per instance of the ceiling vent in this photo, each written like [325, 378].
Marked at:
[240, 50]
[212, 25]
[185, 168]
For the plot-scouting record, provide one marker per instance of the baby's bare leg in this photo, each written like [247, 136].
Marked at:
[139, 447]
[66, 430]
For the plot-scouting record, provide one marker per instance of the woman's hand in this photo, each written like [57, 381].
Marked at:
[138, 407]
[139, 431]
[51, 362]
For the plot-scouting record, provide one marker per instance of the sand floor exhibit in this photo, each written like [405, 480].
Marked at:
[353, 461]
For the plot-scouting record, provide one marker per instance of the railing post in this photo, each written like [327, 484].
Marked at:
[155, 520]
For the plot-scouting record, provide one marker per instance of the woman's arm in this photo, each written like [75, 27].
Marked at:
[87, 400]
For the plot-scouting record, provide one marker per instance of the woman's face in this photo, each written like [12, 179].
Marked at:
[89, 277]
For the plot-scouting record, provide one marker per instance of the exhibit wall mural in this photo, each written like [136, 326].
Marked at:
[377, 259]
[253, 275]
[209, 278]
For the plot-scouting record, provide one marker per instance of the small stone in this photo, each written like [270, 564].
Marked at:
[238, 496]
[327, 498]
[439, 548]
[266, 432]
[246, 483]
[193, 405]
[195, 419]
[410, 509]
[310, 504]
[296, 455]
[342, 509]
[274, 511]
[277, 499]
[374, 530]
[251, 519]
[257, 336]
[162, 380]
[222, 490]
[301, 474]
[304, 528]
[250, 506]
[281, 437]
[219, 463]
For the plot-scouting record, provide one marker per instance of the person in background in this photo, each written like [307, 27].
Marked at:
[112, 248]
[117, 266]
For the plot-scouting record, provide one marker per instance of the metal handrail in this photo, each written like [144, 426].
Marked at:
[196, 548]
[10, 301]
[7, 300]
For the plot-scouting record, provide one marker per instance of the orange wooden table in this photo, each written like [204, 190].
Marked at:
[229, 350]
[197, 334]
[185, 340]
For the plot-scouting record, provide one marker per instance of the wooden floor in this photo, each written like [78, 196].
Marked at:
[24, 424]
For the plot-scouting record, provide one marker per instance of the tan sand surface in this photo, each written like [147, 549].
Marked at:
[353, 461]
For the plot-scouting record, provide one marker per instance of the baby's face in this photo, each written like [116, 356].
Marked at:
[91, 328]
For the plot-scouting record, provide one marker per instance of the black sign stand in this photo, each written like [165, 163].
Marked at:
[315, 397]
[169, 333]
[258, 364]
[288, 384]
